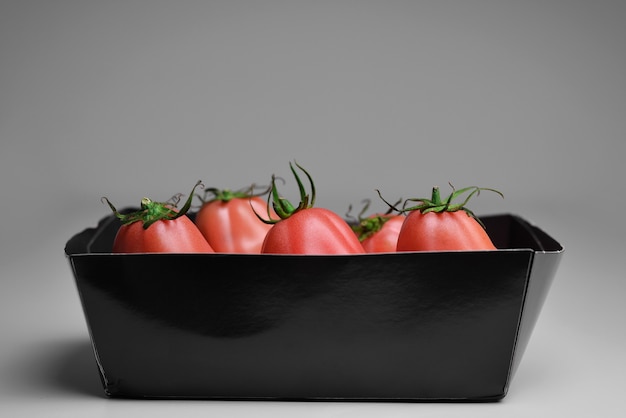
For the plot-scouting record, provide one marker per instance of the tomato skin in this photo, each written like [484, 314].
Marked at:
[445, 231]
[386, 239]
[178, 235]
[232, 226]
[312, 231]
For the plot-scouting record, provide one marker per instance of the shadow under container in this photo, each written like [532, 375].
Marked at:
[431, 326]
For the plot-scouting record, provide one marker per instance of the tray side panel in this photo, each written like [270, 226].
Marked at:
[542, 274]
[436, 326]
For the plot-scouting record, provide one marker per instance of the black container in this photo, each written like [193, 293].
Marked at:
[432, 326]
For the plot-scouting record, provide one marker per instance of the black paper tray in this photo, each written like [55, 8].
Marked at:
[433, 326]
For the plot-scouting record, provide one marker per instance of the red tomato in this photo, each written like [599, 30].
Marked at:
[305, 229]
[312, 231]
[229, 222]
[385, 238]
[159, 227]
[443, 231]
[440, 225]
[178, 235]
[378, 232]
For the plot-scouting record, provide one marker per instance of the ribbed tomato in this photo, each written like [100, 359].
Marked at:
[159, 227]
[444, 231]
[312, 231]
[440, 225]
[229, 223]
[384, 236]
[306, 229]
[377, 232]
[178, 235]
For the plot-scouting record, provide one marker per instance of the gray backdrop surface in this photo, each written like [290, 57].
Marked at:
[131, 98]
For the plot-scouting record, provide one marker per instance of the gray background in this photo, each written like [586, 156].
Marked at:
[131, 98]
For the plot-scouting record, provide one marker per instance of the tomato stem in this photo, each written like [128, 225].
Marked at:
[436, 196]
[437, 205]
[226, 195]
[283, 207]
[151, 212]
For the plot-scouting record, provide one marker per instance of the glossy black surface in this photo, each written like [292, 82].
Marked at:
[408, 327]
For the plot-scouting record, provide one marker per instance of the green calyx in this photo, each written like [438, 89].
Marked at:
[438, 205]
[151, 212]
[369, 226]
[365, 227]
[283, 207]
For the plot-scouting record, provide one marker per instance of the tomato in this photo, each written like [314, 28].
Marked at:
[178, 235]
[159, 227]
[384, 235]
[229, 223]
[312, 231]
[437, 225]
[377, 232]
[306, 229]
[443, 231]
